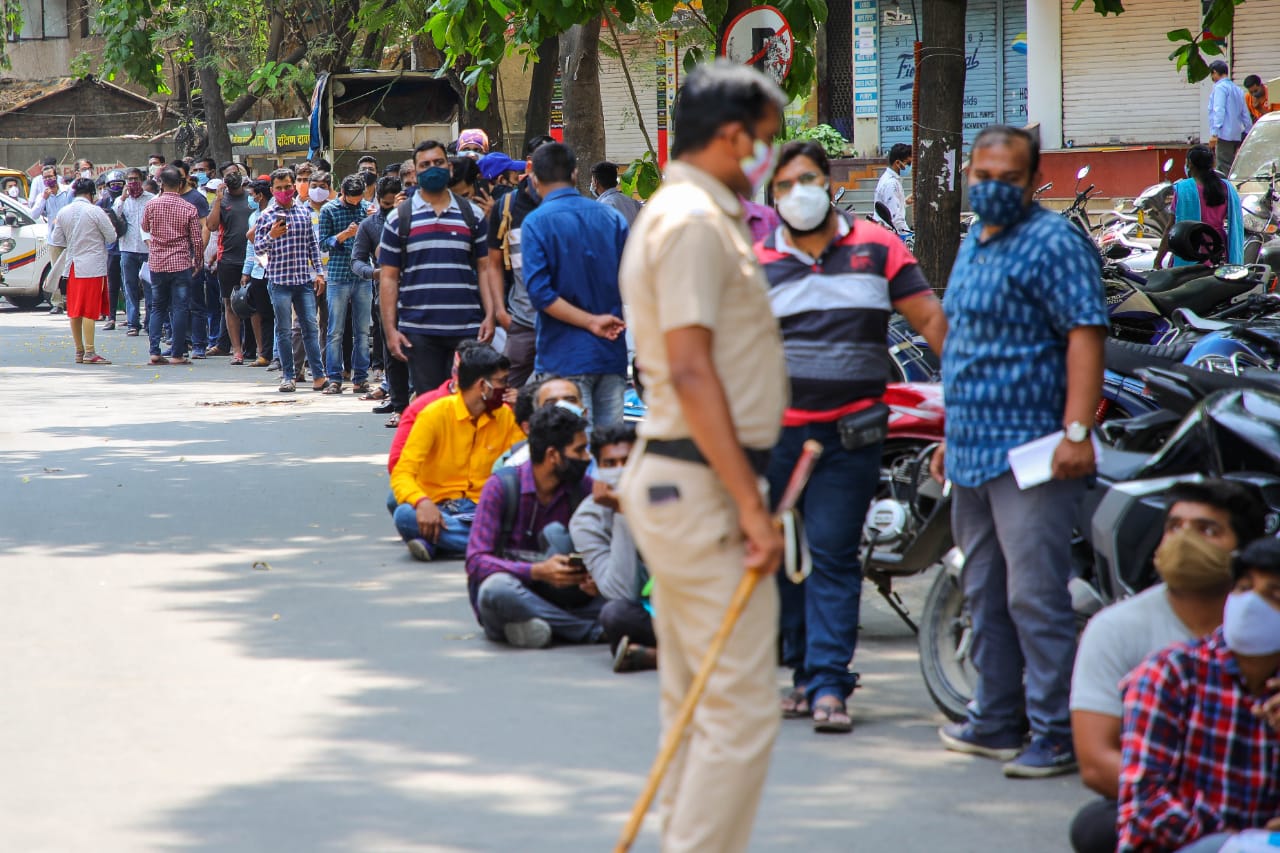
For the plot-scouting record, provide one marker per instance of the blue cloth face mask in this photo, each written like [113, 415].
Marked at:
[253, 202]
[1250, 625]
[202, 178]
[997, 203]
[434, 179]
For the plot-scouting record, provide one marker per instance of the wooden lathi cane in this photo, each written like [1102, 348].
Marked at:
[799, 478]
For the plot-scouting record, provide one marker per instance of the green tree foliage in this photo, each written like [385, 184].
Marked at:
[1193, 48]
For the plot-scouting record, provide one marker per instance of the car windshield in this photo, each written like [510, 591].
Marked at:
[22, 215]
[1259, 153]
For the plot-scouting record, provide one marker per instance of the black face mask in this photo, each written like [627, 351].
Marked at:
[571, 471]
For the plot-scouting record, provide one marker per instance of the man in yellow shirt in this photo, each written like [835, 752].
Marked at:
[449, 454]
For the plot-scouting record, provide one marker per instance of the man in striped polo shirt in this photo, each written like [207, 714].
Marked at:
[833, 284]
[435, 282]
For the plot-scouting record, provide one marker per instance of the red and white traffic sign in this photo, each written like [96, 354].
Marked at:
[761, 37]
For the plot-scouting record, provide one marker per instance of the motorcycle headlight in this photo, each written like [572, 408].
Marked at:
[6, 245]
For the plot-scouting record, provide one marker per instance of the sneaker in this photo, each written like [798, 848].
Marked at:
[420, 550]
[960, 737]
[529, 634]
[1044, 757]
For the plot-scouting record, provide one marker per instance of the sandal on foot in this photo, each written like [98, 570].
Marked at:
[393, 421]
[331, 388]
[175, 360]
[375, 394]
[79, 356]
[831, 716]
[237, 359]
[287, 386]
[158, 359]
[92, 357]
[795, 704]
[360, 388]
[320, 385]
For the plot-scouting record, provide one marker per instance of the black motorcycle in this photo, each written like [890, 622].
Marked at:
[1230, 428]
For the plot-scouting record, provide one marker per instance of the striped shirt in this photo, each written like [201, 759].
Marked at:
[834, 314]
[439, 289]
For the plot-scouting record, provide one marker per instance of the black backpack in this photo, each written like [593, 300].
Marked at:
[509, 477]
[404, 222]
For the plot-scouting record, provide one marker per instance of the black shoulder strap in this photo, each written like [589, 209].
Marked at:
[510, 479]
[579, 495]
[473, 223]
[404, 221]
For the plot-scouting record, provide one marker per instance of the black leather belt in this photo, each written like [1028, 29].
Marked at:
[686, 451]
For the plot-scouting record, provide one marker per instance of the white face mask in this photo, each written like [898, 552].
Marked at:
[13, 192]
[86, 173]
[318, 194]
[1250, 625]
[805, 207]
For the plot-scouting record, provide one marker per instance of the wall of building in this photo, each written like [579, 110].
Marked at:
[85, 110]
[26, 154]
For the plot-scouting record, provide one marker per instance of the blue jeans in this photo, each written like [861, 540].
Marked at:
[285, 301]
[819, 618]
[169, 294]
[1017, 547]
[360, 295]
[454, 536]
[130, 267]
[602, 395]
[502, 599]
[200, 311]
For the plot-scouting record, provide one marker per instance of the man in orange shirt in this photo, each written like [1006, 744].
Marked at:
[1256, 97]
[449, 454]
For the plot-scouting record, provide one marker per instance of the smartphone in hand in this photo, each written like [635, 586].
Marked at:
[578, 564]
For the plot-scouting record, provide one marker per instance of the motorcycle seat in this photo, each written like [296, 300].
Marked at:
[1192, 320]
[1201, 295]
[1119, 465]
[1127, 357]
[1158, 281]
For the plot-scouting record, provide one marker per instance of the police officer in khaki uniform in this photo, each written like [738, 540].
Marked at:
[711, 357]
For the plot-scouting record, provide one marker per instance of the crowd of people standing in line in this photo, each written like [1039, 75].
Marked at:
[756, 330]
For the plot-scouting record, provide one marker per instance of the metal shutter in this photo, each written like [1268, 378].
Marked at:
[1015, 64]
[1253, 45]
[1118, 85]
[623, 140]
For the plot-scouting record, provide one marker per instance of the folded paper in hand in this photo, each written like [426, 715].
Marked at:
[1032, 463]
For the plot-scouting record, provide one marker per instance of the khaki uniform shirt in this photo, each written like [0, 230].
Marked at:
[689, 262]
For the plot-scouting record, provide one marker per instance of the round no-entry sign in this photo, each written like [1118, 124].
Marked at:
[761, 37]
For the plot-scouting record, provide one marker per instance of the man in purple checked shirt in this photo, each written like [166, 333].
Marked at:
[520, 595]
[762, 220]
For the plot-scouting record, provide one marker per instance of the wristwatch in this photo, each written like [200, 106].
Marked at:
[1077, 432]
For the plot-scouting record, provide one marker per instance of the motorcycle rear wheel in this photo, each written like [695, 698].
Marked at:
[945, 637]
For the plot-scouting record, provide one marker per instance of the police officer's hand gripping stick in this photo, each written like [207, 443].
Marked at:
[795, 487]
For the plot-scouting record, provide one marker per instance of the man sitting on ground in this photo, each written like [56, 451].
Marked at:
[519, 595]
[1205, 522]
[600, 533]
[448, 455]
[552, 389]
[1199, 760]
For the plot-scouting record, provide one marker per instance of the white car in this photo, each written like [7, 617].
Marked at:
[24, 257]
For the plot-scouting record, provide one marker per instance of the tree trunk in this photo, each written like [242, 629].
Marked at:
[938, 160]
[583, 110]
[537, 112]
[488, 119]
[218, 140]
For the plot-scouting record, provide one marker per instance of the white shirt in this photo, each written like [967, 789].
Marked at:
[889, 193]
[130, 209]
[85, 231]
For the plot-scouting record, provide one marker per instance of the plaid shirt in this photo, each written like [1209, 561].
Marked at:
[1196, 761]
[335, 216]
[174, 227]
[531, 517]
[293, 260]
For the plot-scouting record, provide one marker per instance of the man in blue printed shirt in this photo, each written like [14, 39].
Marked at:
[572, 247]
[1023, 359]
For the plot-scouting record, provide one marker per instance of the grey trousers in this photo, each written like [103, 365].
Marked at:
[1017, 547]
[1226, 155]
[503, 599]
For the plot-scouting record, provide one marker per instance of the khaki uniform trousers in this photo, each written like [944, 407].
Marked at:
[686, 526]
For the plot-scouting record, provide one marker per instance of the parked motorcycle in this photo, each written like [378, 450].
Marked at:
[1232, 433]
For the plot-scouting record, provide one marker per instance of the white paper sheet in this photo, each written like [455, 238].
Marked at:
[1032, 463]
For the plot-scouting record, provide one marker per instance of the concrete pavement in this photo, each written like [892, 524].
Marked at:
[211, 640]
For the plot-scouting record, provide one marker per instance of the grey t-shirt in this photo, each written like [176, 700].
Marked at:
[1115, 641]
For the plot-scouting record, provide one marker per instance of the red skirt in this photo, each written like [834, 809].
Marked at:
[87, 297]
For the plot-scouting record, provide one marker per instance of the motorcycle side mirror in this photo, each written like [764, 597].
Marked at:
[10, 219]
[1116, 251]
[882, 211]
[1083, 173]
[1168, 164]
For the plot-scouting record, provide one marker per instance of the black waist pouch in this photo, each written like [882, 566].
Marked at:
[865, 427]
